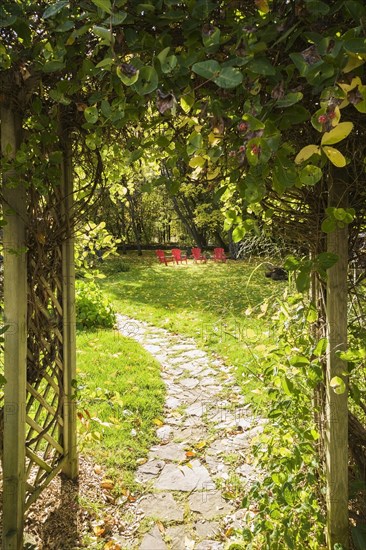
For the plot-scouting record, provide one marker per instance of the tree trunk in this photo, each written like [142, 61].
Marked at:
[188, 224]
[336, 429]
[15, 352]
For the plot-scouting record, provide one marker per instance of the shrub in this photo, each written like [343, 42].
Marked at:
[92, 309]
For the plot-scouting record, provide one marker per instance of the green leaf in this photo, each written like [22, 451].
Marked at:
[104, 5]
[91, 114]
[238, 234]
[106, 62]
[341, 131]
[328, 225]
[335, 156]
[303, 280]
[207, 69]
[54, 9]
[147, 82]
[254, 123]
[127, 80]
[211, 41]
[289, 99]
[321, 347]
[355, 45]
[338, 385]
[262, 66]
[310, 175]
[53, 66]
[327, 259]
[105, 35]
[287, 385]
[229, 77]
[116, 18]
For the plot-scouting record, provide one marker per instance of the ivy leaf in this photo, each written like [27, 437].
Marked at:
[54, 9]
[307, 152]
[335, 156]
[341, 131]
[262, 66]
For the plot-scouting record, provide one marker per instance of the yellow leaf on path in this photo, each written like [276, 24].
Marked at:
[107, 484]
[335, 156]
[111, 545]
[98, 469]
[160, 526]
[306, 153]
[201, 445]
[158, 422]
[99, 530]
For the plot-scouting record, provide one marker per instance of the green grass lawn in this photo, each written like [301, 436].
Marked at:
[121, 396]
[220, 305]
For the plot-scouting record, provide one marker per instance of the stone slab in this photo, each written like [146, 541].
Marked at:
[171, 451]
[184, 478]
[161, 506]
[153, 540]
[206, 529]
[209, 503]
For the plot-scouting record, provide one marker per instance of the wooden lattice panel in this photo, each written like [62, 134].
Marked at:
[45, 354]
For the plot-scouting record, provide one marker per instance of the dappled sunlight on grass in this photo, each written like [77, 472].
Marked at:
[217, 304]
[121, 393]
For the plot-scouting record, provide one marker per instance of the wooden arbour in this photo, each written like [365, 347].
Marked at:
[38, 410]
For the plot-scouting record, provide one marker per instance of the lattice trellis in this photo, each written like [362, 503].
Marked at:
[45, 452]
[39, 412]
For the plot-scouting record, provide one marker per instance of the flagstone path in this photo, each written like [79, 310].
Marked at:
[203, 453]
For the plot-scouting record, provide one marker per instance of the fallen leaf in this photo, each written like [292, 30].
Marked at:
[107, 484]
[190, 454]
[158, 422]
[111, 545]
[201, 445]
[160, 526]
[229, 532]
[98, 469]
[99, 530]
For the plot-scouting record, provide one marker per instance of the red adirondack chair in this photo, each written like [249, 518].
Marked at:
[160, 254]
[219, 255]
[177, 255]
[198, 256]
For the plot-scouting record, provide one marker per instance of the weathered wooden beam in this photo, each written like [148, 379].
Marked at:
[15, 354]
[336, 428]
[70, 467]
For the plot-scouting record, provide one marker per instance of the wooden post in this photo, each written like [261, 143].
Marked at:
[70, 468]
[336, 429]
[15, 354]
